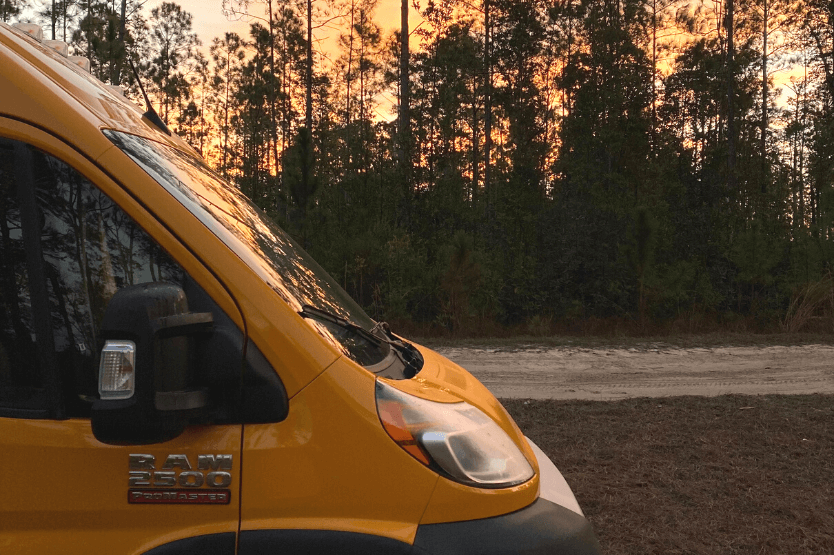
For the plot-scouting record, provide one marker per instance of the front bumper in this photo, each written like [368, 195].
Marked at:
[552, 525]
[543, 528]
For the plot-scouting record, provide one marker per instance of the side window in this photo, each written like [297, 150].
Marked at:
[65, 249]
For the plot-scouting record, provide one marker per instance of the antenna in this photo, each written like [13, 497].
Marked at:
[151, 114]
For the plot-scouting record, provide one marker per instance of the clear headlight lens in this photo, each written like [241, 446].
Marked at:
[455, 438]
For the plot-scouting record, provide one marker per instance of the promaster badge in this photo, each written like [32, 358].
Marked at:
[176, 482]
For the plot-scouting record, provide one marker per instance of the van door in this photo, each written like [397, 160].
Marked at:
[65, 249]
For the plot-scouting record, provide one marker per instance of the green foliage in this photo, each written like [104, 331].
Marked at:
[460, 278]
[172, 43]
[607, 188]
[408, 288]
[682, 286]
[756, 253]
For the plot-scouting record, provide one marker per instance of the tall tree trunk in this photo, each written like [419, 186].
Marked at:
[90, 30]
[306, 135]
[273, 118]
[405, 158]
[654, 77]
[350, 63]
[475, 154]
[362, 69]
[116, 67]
[309, 96]
[802, 144]
[226, 110]
[285, 95]
[487, 105]
[766, 7]
[731, 116]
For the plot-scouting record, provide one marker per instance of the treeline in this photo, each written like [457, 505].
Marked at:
[526, 161]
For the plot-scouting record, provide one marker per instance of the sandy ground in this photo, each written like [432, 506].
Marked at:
[606, 374]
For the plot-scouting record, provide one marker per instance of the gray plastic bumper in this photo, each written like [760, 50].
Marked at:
[543, 528]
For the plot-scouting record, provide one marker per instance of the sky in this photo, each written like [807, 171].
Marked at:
[209, 21]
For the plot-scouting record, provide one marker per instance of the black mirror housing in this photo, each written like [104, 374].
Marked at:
[155, 317]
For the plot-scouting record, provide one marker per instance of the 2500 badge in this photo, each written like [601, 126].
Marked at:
[178, 482]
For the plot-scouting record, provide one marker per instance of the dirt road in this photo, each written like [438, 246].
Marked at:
[606, 374]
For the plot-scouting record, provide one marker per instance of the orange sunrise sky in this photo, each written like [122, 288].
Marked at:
[209, 21]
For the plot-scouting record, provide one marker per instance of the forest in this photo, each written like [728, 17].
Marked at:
[543, 166]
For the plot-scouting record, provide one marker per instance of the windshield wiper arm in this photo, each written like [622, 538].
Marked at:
[410, 357]
[310, 311]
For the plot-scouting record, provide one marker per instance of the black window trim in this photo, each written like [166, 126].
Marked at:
[51, 405]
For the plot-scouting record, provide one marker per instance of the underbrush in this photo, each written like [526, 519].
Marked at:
[683, 341]
[800, 323]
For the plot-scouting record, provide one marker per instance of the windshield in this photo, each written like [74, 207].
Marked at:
[254, 237]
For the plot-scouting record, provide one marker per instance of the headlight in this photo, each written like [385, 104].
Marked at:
[456, 439]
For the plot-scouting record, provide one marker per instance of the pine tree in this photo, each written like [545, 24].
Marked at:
[172, 45]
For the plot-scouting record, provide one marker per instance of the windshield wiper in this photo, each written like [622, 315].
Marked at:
[309, 311]
[410, 357]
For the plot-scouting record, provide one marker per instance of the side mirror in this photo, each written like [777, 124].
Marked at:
[146, 379]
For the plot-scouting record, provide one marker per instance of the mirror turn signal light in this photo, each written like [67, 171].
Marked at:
[117, 370]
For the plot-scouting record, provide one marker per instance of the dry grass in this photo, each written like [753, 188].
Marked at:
[813, 302]
[723, 475]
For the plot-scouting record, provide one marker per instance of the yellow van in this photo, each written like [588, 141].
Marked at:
[178, 376]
